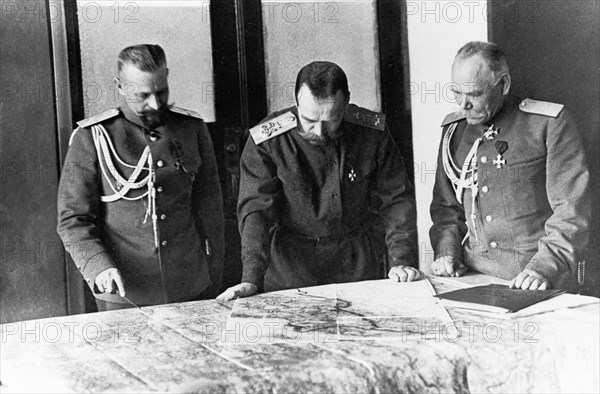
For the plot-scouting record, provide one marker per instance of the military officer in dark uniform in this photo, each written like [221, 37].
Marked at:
[307, 177]
[511, 197]
[139, 202]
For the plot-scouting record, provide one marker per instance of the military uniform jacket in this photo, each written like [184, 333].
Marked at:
[295, 197]
[533, 205]
[100, 235]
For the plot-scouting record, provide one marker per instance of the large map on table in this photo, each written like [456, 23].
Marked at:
[377, 336]
[366, 310]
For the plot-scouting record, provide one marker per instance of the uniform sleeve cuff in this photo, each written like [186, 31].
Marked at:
[450, 249]
[254, 276]
[397, 261]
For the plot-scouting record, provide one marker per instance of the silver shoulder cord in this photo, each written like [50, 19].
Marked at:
[121, 186]
[464, 178]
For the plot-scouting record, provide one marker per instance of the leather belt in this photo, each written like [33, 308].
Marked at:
[319, 238]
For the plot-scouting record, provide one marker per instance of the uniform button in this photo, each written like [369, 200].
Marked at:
[335, 195]
[484, 159]
[164, 243]
[333, 163]
[488, 218]
[163, 216]
[159, 189]
[485, 189]
[153, 136]
[160, 163]
[493, 245]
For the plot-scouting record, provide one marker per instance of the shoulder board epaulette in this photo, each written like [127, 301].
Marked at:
[98, 118]
[453, 117]
[187, 112]
[541, 107]
[364, 117]
[273, 127]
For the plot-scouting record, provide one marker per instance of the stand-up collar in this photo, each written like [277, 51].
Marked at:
[130, 115]
[508, 106]
[133, 118]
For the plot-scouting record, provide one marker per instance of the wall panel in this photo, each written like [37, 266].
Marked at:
[32, 270]
[553, 49]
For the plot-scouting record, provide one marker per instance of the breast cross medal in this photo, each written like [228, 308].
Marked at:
[499, 161]
[501, 147]
[352, 175]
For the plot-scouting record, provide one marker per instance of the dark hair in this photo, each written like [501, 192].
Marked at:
[324, 79]
[146, 57]
[490, 52]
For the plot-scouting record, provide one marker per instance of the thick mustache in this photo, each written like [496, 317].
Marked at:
[153, 118]
[154, 111]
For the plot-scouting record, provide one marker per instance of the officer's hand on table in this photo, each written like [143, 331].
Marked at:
[110, 281]
[244, 289]
[403, 273]
[530, 280]
[447, 266]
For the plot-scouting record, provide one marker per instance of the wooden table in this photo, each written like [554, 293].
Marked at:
[376, 336]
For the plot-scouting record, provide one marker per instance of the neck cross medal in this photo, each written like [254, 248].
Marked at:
[491, 132]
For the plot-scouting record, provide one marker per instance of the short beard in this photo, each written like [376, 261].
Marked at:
[154, 118]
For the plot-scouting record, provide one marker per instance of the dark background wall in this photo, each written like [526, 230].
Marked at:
[32, 265]
[553, 47]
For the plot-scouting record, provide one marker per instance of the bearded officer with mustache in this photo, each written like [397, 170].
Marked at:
[139, 202]
[511, 197]
[308, 175]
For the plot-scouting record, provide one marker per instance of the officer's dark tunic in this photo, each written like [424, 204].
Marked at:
[101, 235]
[303, 210]
[533, 212]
